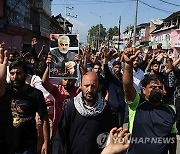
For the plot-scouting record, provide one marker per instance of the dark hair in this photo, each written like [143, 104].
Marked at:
[155, 62]
[96, 63]
[171, 49]
[18, 63]
[116, 63]
[150, 78]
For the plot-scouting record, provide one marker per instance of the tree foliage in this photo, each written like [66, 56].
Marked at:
[129, 27]
[93, 34]
[113, 32]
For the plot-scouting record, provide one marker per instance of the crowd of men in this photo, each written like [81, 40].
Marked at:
[85, 115]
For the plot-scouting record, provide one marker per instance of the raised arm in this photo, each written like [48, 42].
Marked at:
[145, 55]
[129, 56]
[105, 51]
[3, 64]
[84, 63]
[120, 55]
[176, 62]
[45, 79]
[108, 75]
[170, 66]
[33, 50]
[149, 64]
[40, 53]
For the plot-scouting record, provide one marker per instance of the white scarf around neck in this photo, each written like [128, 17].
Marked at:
[88, 111]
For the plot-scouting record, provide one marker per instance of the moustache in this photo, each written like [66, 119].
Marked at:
[117, 72]
[156, 96]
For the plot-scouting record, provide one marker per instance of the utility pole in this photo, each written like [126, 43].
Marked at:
[68, 14]
[135, 24]
[119, 32]
[99, 31]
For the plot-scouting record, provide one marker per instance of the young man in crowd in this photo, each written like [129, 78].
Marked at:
[62, 93]
[153, 66]
[138, 74]
[24, 102]
[103, 85]
[115, 90]
[150, 121]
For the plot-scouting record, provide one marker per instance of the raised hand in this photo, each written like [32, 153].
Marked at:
[25, 54]
[119, 141]
[154, 56]
[49, 59]
[128, 44]
[87, 55]
[43, 46]
[33, 42]
[105, 51]
[3, 61]
[2, 44]
[3, 64]
[45, 148]
[165, 54]
[130, 55]
[146, 50]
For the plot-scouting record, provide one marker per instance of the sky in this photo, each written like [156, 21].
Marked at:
[89, 11]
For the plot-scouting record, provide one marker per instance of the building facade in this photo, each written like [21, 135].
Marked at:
[21, 20]
[168, 33]
[15, 23]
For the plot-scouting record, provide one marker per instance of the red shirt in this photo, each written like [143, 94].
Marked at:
[61, 96]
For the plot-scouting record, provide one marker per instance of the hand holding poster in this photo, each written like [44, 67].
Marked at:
[63, 64]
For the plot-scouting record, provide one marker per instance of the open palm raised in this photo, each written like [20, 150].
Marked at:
[3, 63]
[130, 55]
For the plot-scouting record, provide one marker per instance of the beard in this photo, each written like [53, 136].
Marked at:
[18, 83]
[155, 71]
[89, 97]
[64, 51]
[155, 97]
[117, 72]
[135, 66]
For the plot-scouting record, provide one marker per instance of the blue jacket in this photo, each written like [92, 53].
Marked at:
[116, 93]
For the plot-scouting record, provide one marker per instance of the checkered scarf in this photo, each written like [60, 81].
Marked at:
[88, 111]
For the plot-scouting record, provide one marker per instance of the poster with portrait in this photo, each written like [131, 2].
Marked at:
[63, 48]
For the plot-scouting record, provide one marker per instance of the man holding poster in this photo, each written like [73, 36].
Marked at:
[63, 64]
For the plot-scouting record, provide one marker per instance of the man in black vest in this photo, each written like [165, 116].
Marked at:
[85, 120]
